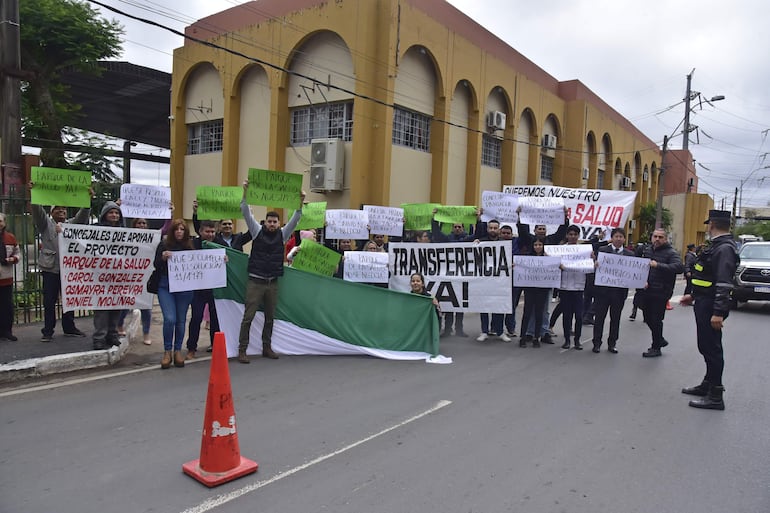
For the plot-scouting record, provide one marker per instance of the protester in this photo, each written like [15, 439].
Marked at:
[490, 231]
[689, 262]
[610, 299]
[106, 321]
[342, 246]
[9, 256]
[638, 252]
[264, 268]
[571, 294]
[509, 319]
[226, 226]
[417, 283]
[458, 234]
[534, 299]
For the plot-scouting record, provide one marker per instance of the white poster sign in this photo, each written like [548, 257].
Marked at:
[147, 201]
[547, 211]
[463, 277]
[537, 271]
[197, 269]
[105, 268]
[499, 205]
[574, 257]
[385, 220]
[625, 272]
[590, 209]
[366, 267]
[347, 224]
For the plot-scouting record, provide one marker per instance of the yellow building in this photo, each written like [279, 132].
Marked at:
[407, 101]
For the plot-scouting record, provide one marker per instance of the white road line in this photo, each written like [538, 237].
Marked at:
[220, 500]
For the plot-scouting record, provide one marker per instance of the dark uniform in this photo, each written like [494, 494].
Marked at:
[712, 286]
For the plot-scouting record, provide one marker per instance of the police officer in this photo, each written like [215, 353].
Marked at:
[712, 285]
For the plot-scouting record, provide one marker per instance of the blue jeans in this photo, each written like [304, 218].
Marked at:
[530, 327]
[174, 306]
[497, 323]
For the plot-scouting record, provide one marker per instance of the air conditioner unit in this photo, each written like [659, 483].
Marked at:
[327, 164]
[645, 176]
[585, 173]
[632, 224]
[626, 182]
[549, 141]
[496, 120]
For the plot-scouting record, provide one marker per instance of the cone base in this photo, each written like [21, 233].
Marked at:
[211, 479]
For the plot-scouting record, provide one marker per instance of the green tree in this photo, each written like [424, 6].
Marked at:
[58, 35]
[646, 220]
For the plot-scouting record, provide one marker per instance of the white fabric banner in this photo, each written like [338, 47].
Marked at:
[590, 209]
[547, 211]
[574, 257]
[347, 224]
[463, 277]
[197, 269]
[537, 271]
[499, 205]
[366, 267]
[625, 272]
[146, 201]
[385, 220]
[106, 268]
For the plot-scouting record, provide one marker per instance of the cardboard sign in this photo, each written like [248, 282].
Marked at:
[385, 220]
[499, 205]
[625, 272]
[366, 267]
[313, 216]
[197, 269]
[574, 257]
[215, 203]
[536, 271]
[347, 224]
[274, 188]
[316, 258]
[145, 201]
[61, 187]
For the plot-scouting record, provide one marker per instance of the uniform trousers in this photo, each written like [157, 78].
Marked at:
[709, 340]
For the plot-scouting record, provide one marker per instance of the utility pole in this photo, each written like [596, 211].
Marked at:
[661, 177]
[10, 93]
[687, 98]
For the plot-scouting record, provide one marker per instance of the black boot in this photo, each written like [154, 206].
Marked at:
[701, 390]
[713, 401]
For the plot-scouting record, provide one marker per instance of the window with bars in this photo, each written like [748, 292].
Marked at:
[600, 179]
[411, 129]
[491, 151]
[333, 120]
[205, 137]
[546, 168]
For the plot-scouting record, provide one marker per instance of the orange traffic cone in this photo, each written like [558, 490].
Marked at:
[220, 460]
[668, 305]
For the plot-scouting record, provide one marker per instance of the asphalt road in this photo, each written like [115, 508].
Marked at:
[500, 429]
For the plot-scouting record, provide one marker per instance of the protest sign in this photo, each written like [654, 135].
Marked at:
[455, 214]
[197, 269]
[590, 209]
[61, 187]
[418, 215]
[313, 215]
[366, 267]
[499, 205]
[625, 272]
[347, 224]
[145, 201]
[536, 271]
[574, 257]
[547, 211]
[216, 203]
[106, 268]
[385, 220]
[274, 188]
[464, 277]
[316, 258]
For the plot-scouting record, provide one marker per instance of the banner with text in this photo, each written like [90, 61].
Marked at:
[215, 203]
[145, 201]
[418, 216]
[625, 272]
[274, 188]
[385, 220]
[463, 215]
[316, 258]
[574, 257]
[60, 187]
[499, 205]
[197, 269]
[313, 215]
[537, 271]
[366, 267]
[106, 268]
[464, 277]
[347, 224]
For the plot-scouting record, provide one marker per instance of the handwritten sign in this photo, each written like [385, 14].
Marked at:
[620, 271]
[464, 215]
[385, 220]
[366, 267]
[547, 211]
[146, 201]
[574, 257]
[536, 271]
[313, 215]
[499, 205]
[347, 224]
[106, 268]
[418, 215]
[197, 269]
[215, 203]
[316, 258]
[61, 187]
[274, 188]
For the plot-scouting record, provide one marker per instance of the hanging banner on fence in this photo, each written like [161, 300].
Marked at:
[418, 215]
[60, 187]
[591, 209]
[316, 258]
[625, 272]
[145, 201]
[499, 205]
[463, 215]
[215, 203]
[537, 271]
[197, 269]
[106, 268]
[547, 211]
[347, 224]
[385, 220]
[366, 267]
[464, 277]
[274, 188]
[313, 215]
[574, 257]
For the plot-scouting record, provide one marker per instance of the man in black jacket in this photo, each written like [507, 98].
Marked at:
[665, 264]
[712, 285]
[610, 299]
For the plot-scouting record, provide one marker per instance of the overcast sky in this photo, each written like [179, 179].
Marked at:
[635, 55]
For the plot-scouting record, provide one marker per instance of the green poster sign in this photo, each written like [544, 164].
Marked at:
[61, 187]
[274, 188]
[216, 203]
[316, 258]
[313, 216]
[456, 214]
[418, 215]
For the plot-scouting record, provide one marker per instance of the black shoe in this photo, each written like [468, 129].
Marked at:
[100, 345]
[578, 346]
[565, 345]
[588, 322]
[663, 343]
[461, 334]
[535, 342]
[546, 339]
[596, 348]
[46, 338]
[74, 333]
[612, 350]
[632, 317]
[701, 390]
[712, 401]
[209, 349]
[8, 336]
[652, 353]
[113, 341]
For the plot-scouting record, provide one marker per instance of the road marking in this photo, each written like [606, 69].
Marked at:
[222, 499]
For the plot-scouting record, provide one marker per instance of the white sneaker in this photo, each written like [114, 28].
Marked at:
[482, 337]
[510, 333]
[505, 338]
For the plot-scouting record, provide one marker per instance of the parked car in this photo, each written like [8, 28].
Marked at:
[752, 277]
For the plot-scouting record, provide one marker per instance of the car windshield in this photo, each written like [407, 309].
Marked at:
[756, 252]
